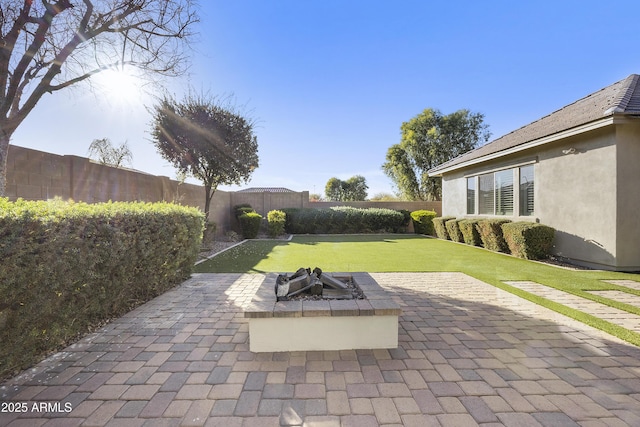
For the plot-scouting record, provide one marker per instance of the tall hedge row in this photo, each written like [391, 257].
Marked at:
[527, 240]
[65, 267]
[342, 219]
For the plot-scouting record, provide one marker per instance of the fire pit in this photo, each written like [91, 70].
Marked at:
[315, 285]
[313, 310]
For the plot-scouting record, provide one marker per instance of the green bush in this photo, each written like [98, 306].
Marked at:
[423, 221]
[406, 220]
[528, 240]
[242, 209]
[454, 230]
[68, 267]
[440, 227]
[491, 234]
[342, 219]
[469, 230]
[276, 221]
[250, 224]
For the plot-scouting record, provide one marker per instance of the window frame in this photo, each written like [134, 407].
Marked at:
[517, 193]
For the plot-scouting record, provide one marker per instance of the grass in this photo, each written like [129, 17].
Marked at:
[412, 253]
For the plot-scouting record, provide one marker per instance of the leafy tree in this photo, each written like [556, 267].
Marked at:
[47, 46]
[206, 138]
[333, 189]
[105, 153]
[353, 189]
[428, 140]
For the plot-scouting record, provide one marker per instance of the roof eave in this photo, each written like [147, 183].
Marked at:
[606, 121]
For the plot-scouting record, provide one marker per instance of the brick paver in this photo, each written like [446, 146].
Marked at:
[614, 315]
[469, 354]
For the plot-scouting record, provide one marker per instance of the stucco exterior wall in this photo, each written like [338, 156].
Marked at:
[628, 195]
[574, 193]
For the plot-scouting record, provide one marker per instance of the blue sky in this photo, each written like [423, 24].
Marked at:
[330, 82]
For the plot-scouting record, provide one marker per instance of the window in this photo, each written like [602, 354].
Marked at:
[504, 192]
[471, 195]
[496, 194]
[526, 190]
[485, 203]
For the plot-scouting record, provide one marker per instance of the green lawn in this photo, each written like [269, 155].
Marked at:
[412, 253]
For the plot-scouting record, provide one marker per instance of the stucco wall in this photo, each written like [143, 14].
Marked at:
[628, 195]
[37, 175]
[574, 193]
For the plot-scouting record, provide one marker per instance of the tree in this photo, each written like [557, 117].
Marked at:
[206, 138]
[353, 189]
[107, 154]
[47, 46]
[333, 189]
[428, 140]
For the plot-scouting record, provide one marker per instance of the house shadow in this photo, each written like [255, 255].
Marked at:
[581, 251]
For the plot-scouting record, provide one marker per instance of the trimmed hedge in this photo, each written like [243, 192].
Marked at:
[250, 224]
[242, 209]
[68, 267]
[440, 227]
[469, 230]
[423, 221]
[342, 219]
[276, 221]
[528, 240]
[491, 234]
[454, 230]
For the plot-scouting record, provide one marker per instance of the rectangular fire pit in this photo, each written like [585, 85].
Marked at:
[326, 324]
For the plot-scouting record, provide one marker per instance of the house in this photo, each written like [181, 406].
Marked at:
[576, 170]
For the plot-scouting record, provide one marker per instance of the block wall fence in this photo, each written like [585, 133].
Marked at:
[37, 175]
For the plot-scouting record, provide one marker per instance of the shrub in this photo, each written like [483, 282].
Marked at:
[250, 224]
[341, 219]
[528, 240]
[454, 230]
[68, 267]
[469, 230]
[423, 221]
[406, 220]
[490, 231]
[242, 209]
[276, 221]
[440, 228]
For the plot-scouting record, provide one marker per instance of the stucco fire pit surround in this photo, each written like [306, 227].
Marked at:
[327, 324]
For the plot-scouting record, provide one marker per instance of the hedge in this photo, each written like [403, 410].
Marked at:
[423, 221]
[440, 228]
[250, 224]
[454, 230]
[276, 221]
[469, 230]
[491, 234]
[528, 240]
[342, 219]
[67, 267]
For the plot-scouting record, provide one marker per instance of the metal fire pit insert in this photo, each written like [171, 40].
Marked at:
[315, 285]
[323, 324]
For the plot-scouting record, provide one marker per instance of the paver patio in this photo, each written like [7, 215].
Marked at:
[469, 354]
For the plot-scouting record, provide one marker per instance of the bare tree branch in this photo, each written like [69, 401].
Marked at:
[50, 45]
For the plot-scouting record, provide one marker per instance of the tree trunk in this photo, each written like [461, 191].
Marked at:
[207, 202]
[4, 154]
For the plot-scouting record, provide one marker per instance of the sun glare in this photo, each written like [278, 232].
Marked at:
[119, 86]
